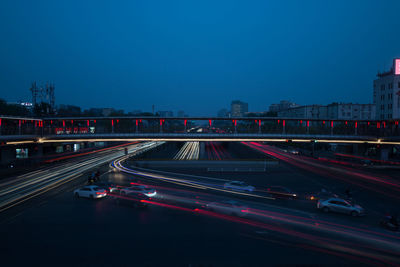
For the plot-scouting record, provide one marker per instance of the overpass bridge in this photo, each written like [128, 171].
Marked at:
[20, 130]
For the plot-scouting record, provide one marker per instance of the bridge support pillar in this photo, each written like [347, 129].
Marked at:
[235, 122]
[355, 128]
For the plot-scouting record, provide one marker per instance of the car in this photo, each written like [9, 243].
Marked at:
[239, 186]
[281, 192]
[90, 191]
[230, 207]
[136, 188]
[130, 199]
[340, 205]
[109, 187]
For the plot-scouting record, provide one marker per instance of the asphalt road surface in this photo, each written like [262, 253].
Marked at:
[177, 229]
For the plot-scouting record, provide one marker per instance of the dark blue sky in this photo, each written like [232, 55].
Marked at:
[196, 56]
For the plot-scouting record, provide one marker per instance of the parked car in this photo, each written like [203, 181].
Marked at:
[340, 205]
[281, 192]
[230, 207]
[109, 187]
[150, 192]
[132, 199]
[239, 186]
[90, 191]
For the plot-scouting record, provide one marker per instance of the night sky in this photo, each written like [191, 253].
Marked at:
[196, 56]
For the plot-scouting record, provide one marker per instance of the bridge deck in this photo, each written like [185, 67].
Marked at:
[16, 139]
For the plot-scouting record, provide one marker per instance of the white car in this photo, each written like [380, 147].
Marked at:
[341, 206]
[239, 186]
[230, 207]
[147, 191]
[90, 191]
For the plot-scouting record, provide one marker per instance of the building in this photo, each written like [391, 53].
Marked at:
[387, 93]
[107, 111]
[165, 114]
[305, 112]
[223, 113]
[239, 108]
[181, 114]
[349, 111]
[334, 111]
[283, 105]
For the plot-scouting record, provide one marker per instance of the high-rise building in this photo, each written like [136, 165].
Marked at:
[387, 93]
[239, 108]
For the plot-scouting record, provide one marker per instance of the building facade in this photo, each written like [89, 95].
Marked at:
[239, 108]
[350, 111]
[223, 113]
[334, 111]
[283, 105]
[165, 113]
[387, 93]
[305, 112]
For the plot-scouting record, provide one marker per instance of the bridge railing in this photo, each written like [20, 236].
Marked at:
[267, 125]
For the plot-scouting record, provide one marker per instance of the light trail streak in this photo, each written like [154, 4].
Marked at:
[354, 247]
[25, 189]
[189, 151]
[190, 183]
[342, 173]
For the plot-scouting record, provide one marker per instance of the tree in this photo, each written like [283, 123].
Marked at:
[12, 109]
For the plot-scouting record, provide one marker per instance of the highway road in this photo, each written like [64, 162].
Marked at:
[177, 229]
[16, 190]
[343, 234]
